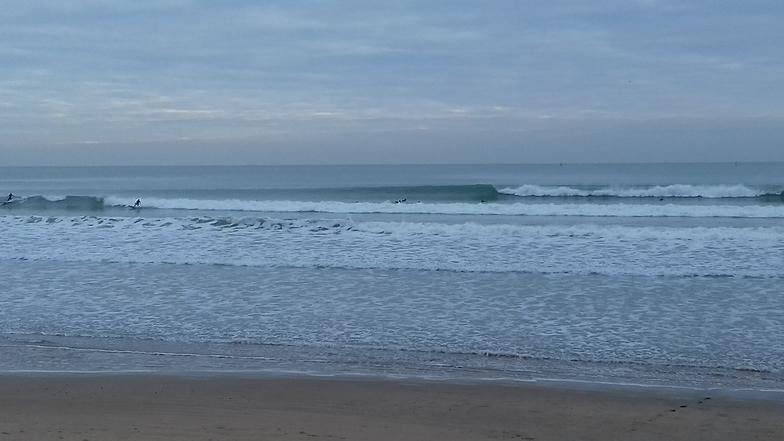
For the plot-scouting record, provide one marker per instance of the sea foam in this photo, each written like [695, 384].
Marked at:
[657, 191]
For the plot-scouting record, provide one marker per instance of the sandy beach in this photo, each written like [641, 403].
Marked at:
[137, 407]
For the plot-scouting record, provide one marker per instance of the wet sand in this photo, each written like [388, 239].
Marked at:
[138, 407]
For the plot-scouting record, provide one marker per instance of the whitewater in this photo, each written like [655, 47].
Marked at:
[658, 274]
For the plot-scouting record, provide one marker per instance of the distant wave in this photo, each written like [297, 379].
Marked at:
[475, 199]
[658, 191]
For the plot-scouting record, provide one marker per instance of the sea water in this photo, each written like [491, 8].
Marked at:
[653, 274]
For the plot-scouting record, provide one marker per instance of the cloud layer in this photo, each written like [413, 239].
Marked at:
[504, 74]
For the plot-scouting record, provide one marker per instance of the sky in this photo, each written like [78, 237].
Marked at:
[170, 82]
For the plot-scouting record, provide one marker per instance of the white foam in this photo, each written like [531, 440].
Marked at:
[675, 190]
[600, 321]
[468, 247]
[512, 209]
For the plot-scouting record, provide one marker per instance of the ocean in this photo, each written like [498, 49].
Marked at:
[630, 274]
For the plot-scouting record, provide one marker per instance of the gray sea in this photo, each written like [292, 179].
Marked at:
[628, 274]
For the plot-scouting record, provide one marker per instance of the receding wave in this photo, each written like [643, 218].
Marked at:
[657, 191]
[712, 369]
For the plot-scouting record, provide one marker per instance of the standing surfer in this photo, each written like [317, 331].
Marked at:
[138, 203]
[10, 196]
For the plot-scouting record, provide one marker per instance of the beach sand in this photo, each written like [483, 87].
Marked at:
[138, 407]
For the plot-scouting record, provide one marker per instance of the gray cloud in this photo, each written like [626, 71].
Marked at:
[503, 74]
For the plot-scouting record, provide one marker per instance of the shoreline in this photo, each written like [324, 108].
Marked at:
[584, 384]
[197, 406]
[80, 356]
[567, 384]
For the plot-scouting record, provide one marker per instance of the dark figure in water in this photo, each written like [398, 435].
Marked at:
[138, 203]
[10, 196]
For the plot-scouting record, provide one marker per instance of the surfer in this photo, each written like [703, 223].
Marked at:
[10, 196]
[138, 203]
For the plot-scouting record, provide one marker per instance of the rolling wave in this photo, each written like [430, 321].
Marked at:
[245, 199]
[423, 193]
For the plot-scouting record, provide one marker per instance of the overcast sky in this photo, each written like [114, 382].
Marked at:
[271, 82]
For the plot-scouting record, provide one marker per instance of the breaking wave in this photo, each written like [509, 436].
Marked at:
[657, 191]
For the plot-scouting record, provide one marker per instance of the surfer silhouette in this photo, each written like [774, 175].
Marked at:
[138, 203]
[10, 196]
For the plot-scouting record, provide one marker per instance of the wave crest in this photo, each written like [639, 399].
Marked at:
[657, 191]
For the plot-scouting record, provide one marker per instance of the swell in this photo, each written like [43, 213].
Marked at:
[427, 193]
